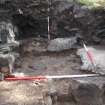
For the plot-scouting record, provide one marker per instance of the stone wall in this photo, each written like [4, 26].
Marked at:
[67, 18]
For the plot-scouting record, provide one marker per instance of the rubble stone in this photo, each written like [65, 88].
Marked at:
[87, 91]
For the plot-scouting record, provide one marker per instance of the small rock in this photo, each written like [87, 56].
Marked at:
[96, 39]
[103, 42]
[47, 99]
[84, 7]
[39, 66]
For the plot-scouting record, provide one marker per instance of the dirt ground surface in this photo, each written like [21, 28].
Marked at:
[39, 63]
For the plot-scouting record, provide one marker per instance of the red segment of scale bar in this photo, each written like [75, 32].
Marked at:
[13, 78]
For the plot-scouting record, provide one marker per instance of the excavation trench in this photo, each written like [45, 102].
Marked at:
[34, 61]
[28, 20]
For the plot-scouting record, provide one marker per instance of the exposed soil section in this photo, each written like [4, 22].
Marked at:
[40, 63]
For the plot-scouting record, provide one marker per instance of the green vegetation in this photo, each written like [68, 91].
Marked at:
[93, 3]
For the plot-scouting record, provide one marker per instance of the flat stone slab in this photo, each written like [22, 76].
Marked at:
[88, 91]
[61, 44]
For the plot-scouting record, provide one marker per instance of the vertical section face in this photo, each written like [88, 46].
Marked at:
[43, 18]
[62, 18]
[30, 16]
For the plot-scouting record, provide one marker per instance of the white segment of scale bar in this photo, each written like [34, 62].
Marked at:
[72, 76]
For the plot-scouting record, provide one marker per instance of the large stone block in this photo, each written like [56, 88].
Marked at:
[60, 44]
[88, 91]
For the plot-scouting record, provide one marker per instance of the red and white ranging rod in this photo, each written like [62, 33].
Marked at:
[89, 54]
